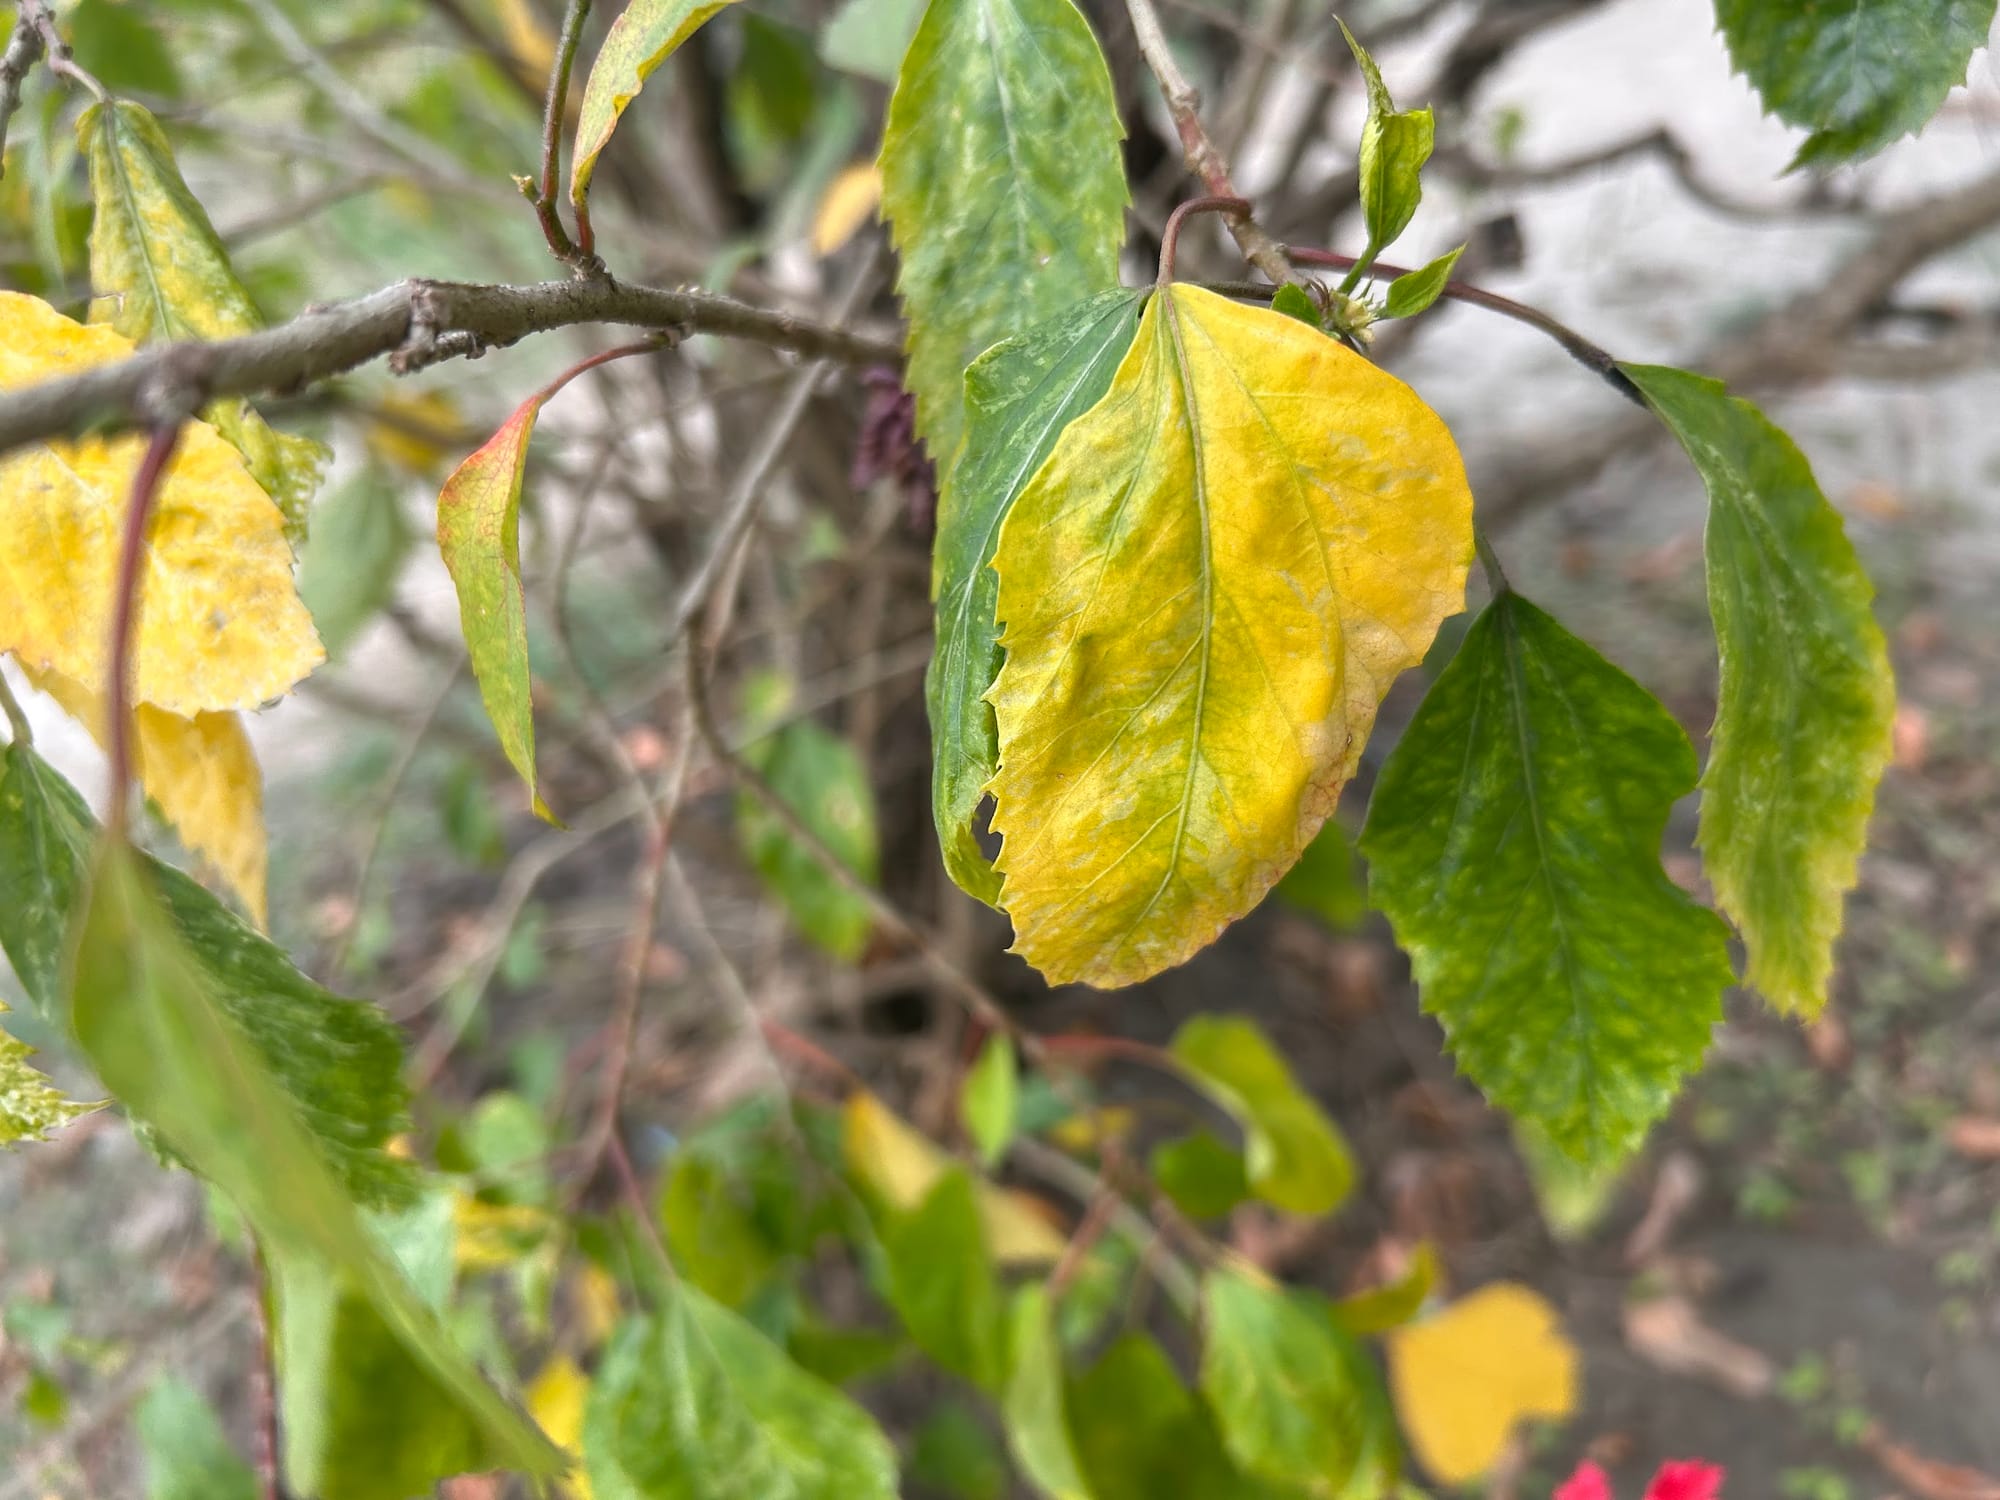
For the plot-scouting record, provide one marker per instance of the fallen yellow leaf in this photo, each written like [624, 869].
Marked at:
[849, 202]
[220, 622]
[1464, 1377]
[494, 1236]
[900, 1166]
[201, 773]
[1206, 589]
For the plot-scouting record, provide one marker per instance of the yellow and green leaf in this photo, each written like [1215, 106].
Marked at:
[479, 536]
[30, 1105]
[1514, 841]
[1019, 396]
[1206, 589]
[220, 622]
[1395, 144]
[1002, 185]
[646, 34]
[1803, 719]
[158, 270]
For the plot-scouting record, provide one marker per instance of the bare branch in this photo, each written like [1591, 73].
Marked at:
[416, 322]
[1202, 156]
[24, 50]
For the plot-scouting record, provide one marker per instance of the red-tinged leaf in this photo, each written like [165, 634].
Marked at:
[479, 534]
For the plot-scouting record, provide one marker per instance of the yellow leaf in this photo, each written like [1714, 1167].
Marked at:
[556, 1399]
[596, 1295]
[1463, 1378]
[1206, 590]
[850, 201]
[410, 430]
[220, 622]
[526, 36]
[900, 1166]
[494, 1236]
[201, 773]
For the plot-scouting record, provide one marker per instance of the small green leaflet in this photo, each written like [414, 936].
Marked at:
[942, 1283]
[712, 1233]
[1859, 74]
[159, 271]
[1038, 1429]
[1395, 144]
[147, 1015]
[1394, 1304]
[644, 36]
[989, 1101]
[1289, 1391]
[692, 1403]
[186, 1453]
[340, 1061]
[1019, 396]
[821, 778]
[1327, 880]
[1202, 1173]
[1807, 702]
[30, 1106]
[1294, 301]
[1295, 1157]
[1142, 1435]
[1002, 184]
[1414, 291]
[1514, 841]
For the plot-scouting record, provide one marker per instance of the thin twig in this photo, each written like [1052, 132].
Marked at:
[1175, 1275]
[1202, 156]
[418, 322]
[125, 611]
[24, 50]
[1591, 356]
[263, 1381]
[576, 254]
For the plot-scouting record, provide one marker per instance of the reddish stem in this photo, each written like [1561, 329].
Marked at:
[1170, 237]
[125, 610]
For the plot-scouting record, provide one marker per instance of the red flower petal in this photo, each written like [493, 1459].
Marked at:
[1587, 1483]
[1685, 1480]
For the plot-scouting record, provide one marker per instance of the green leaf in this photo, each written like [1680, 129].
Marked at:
[1038, 1429]
[30, 1105]
[1514, 841]
[364, 1419]
[1327, 880]
[119, 47]
[942, 1284]
[989, 1100]
[1019, 396]
[185, 1451]
[148, 1015]
[1295, 1156]
[1858, 74]
[1395, 144]
[349, 567]
[1414, 291]
[158, 270]
[694, 1404]
[1002, 185]
[1807, 701]
[714, 1239]
[1384, 1307]
[821, 778]
[1142, 1435]
[339, 1061]
[645, 35]
[1294, 301]
[1202, 1173]
[479, 536]
[869, 38]
[955, 1453]
[1289, 1392]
